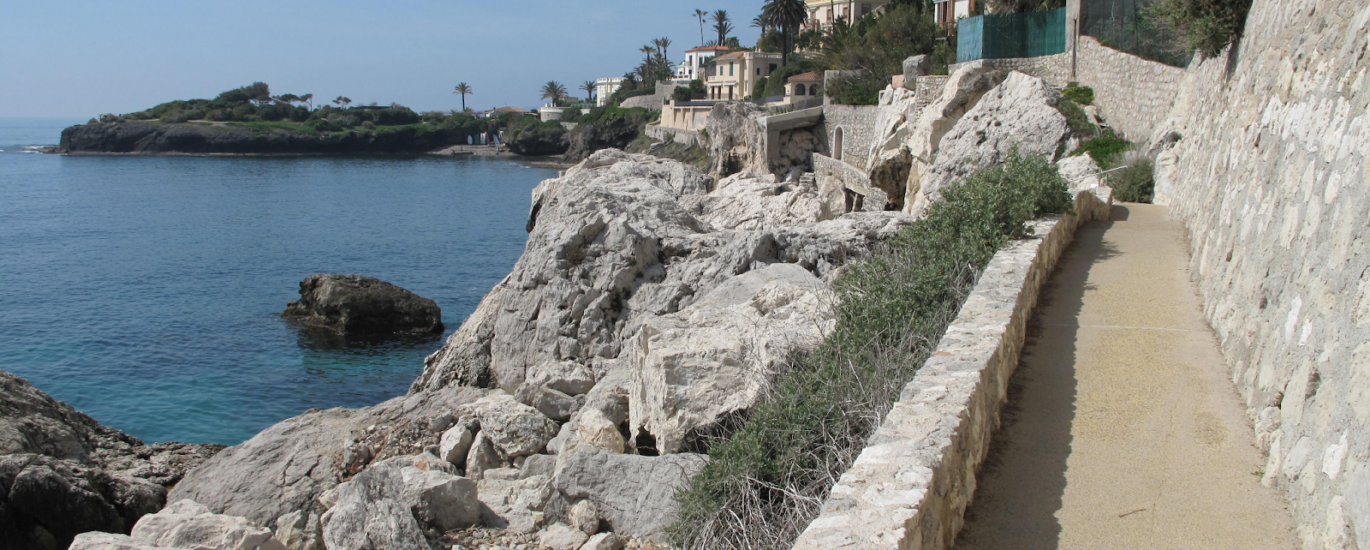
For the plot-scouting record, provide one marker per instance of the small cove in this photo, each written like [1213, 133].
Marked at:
[145, 291]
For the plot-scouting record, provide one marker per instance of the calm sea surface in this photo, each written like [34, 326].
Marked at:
[146, 291]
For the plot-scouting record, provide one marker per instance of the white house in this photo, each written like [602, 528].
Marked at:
[606, 87]
[692, 67]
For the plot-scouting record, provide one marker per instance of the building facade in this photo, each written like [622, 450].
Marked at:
[692, 68]
[606, 87]
[823, 13]
[947, 12]
[734, 75]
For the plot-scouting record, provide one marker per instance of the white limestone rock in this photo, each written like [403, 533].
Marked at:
[483, 456]
[635, 494]
[715, 357]
[390, 504]
[189, 524]
[300, 531]
[560, 536]
[96, 540]
[515, 429]
[454, 445]
[515, 504]
[603, 541]
[584, 516]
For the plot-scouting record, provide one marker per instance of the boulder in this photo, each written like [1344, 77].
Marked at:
[286, 467]
[560, 536]
[300, 531]
[515, 504]
[584, 516]
[191, 525]
[715, 358]
[353, 304]
[45, 502]
[455, 443]
[483, 456]
[392, 504]
[96, 540]
[513, 428]
[914, 67]
[603, 541]
[634, 494]
[1020, 112]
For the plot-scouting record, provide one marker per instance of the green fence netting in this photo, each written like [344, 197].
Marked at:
[1126, 25]
[1011, 35]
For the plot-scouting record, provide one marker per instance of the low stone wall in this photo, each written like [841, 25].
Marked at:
[1055, 69]
[1133, 95]
[910, 487]
[677, 135]
[857, 126]
[685, 117]
[653, 101]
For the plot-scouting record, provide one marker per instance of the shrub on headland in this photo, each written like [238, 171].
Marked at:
[767, 480]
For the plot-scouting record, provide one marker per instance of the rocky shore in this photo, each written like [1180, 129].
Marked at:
[138, 137]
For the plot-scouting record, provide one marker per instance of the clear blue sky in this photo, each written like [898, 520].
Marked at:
[82, 58]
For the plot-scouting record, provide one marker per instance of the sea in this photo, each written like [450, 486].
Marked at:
[147, 291]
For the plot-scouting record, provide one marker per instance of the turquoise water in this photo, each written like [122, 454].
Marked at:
[145, 291]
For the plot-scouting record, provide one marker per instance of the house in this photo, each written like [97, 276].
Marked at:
[823, 13]
[692, 68]
[946, 12]
[734, 75]
[605, 87]
[802, 87]
[505, 110]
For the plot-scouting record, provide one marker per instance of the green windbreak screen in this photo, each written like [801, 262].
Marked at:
[1011, 35]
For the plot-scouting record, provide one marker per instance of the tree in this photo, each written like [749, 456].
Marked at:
[462, 89]
[700, 15]
[342, 101]
[553, 91]
[589, 87]
[787, 16]
[722, 26]
[308, 98]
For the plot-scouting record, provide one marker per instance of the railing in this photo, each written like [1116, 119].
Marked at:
[796, 106]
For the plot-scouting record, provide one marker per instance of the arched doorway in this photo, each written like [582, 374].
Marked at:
[837, 144]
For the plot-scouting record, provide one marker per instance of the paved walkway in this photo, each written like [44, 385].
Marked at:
[1123, 429]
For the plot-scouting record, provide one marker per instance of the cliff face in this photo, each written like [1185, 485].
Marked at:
[151, 138]
[1269, 174]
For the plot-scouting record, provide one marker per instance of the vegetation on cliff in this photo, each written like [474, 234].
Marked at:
[768, 479]
[876, 48]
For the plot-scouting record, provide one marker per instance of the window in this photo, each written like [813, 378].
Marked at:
[730, 68]
[758, 71]
[798, 89]
[772, 68]
[865, 9]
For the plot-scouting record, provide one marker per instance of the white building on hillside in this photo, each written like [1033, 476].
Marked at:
[692, 67]
[606, 87]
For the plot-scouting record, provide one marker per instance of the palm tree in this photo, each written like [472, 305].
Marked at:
[589, 87]
[700, 15]
[554, 91]
[787, 16]
[462, 89]
[722, 26]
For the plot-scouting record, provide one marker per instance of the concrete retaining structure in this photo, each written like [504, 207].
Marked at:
[910, 487]
[855, 125]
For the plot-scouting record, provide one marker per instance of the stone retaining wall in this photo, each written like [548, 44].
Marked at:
[829, 171]
[857, 124]
[1055, 69]
[1133, 95]
[1270, 178]
[910, 487]
[677, 135]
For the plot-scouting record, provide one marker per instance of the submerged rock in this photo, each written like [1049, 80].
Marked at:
[353, 304]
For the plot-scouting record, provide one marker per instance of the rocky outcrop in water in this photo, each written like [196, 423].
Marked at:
[353, 304]
[62, 473]
[222, 138]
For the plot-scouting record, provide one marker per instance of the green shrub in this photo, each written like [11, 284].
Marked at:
[1208, 26]
[396, 116]
[1083, 95]
[767, 480]
[219, 115]
[1080, 126]
[682, 94]
[1136, 182]
[175, 117]
[863, 90]
[1105, 149]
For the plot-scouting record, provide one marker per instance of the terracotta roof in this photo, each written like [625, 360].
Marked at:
[806, 77]
[707, 49]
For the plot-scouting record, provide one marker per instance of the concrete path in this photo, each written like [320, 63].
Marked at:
[1122, 428]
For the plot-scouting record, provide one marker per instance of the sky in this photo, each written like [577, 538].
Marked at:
[82, 58]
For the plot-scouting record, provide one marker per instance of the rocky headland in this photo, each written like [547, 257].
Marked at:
[154, 137]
